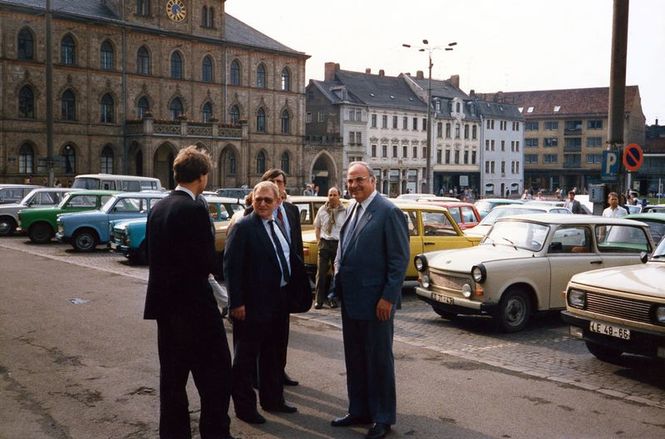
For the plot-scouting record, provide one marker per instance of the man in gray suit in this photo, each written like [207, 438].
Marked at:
[370, 266]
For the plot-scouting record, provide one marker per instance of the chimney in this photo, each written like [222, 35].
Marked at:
[454, 80]
[499, 97]
[330, 69]
[656, 122]
[368, 71]
[472, 93]
[419, 74]
[382, 73]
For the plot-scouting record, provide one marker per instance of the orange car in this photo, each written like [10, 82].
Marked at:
[465, 214]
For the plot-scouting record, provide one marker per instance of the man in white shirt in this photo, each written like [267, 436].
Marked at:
[614, 211]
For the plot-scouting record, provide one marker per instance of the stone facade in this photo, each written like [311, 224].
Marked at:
[141, 133]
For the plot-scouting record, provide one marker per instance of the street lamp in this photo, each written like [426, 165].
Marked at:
[428, 159]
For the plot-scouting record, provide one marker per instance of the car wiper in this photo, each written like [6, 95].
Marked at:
[511, 242]
[658, 256]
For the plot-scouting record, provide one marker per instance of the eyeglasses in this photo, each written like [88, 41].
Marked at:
[266, 200]
[278, 180]
[356, 180]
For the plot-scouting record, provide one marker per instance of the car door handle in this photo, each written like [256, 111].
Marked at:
[596, 262]
[430, 243]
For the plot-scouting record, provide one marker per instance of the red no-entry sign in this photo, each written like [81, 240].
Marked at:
[633, 157]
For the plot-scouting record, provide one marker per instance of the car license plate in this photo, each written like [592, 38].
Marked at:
[443, 299]
[611, 330]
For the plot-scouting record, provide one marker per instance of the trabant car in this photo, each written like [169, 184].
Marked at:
[40, 223]
[430, 228]
[465, 214]
[486, 224]
[656, 222]
[620, 309]
[40, 197]
[85, 230]
[13, 193]
[524, 263]
[308, 206]
[486, 205]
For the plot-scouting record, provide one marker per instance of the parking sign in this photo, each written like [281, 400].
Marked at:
[610, 166]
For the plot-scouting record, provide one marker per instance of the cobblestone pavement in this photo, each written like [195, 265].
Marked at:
[544, 350]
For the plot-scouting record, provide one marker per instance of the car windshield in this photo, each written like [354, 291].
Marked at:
[519, 234]
[660, 251]
[109, 204]
[495, 214]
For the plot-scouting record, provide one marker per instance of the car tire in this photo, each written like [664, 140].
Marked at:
[84, 240]
[448, 315]
[7, 226]
[603, 353]
[40, 233]
[514, 311]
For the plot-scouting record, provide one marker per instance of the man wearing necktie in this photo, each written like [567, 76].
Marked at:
[371, 262]
[260, 268]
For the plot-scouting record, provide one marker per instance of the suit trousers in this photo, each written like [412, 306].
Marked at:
[262, 341]
[189, 343]
[370, 366]
[327, 253]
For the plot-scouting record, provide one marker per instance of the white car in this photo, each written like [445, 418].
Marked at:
[524, 264]
[484, 226]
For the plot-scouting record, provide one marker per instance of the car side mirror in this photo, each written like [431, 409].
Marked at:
[644, 257]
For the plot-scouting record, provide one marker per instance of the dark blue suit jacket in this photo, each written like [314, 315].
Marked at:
[375, 260]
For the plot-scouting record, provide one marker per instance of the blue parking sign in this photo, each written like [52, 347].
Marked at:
[610, 166]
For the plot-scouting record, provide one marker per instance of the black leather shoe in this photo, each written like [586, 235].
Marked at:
[288, 381]
[350, 420]
[251, 418]
[332, 303]
[282, 408]
[377, 431]
[318, 305]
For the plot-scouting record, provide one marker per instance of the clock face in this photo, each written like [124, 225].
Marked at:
[175, 9]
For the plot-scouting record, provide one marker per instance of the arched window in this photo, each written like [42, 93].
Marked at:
[286, 122]
[26, 159]
[208, 17]
[176, 108]
[106, 109]
[69, 159]
[206, 112]
[235, 73]
[26, 44]
[106, 160]
[261, 76]
[204, 16]
[68, 106]
[143, 61]
[26, 103]
[285, 162]
[261, 162]
[286, 79]
[206, 69]
[143, 7]
[176, 65]
[235, 115]
[261, 121]
[106, 56]
[231, 162]
[68, 50]
[143, 107]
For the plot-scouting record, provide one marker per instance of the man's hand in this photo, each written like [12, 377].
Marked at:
[383, 309]
[238, 313]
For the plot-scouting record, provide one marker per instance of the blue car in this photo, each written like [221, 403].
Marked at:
[85, 230]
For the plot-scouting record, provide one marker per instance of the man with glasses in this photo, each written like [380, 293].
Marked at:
[372, 258]
[261, 269]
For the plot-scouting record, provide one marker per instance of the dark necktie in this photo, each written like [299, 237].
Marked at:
[352, 228]
[280, 253]
[282, 225]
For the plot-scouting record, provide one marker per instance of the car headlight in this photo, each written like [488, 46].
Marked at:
[466, 290]
[424, 280]
[659, 314]
[420, 262]
[479, 273]
[577, 299]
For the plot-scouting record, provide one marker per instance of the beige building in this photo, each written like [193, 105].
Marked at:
[135, 80]
[565, 133]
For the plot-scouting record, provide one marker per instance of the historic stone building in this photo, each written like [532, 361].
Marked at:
[133, 81]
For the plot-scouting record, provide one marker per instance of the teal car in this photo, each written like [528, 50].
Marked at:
[655, 221]
[41, 223]
[85, 230]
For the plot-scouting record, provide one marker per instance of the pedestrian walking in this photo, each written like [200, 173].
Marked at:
[614, 210]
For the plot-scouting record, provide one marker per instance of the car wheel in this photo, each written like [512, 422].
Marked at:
[514, 311]
[449, 315]
[603, 353]
[84, 240]
[7, 226]
[40, 233]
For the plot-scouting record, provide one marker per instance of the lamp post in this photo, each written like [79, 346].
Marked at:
[428, 155]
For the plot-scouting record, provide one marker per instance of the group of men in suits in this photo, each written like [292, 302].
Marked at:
[264, 272]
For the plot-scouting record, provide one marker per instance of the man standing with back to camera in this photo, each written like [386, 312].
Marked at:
[190, 329]
[371, 262]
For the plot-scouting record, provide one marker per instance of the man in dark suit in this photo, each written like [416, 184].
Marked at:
[190, 329]
[371, 262]
[572, 204]
[261, 268]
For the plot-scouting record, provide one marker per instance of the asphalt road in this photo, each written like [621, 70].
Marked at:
[77, 361]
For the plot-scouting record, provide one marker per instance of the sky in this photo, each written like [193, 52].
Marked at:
[502, 45]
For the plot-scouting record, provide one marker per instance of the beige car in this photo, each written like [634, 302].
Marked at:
[620, 309]
[524, 264]
[430, 228]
